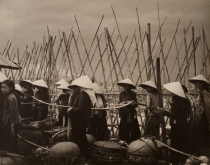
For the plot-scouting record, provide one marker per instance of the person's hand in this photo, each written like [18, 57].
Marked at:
[133, 102]
[69, 109]
[161, 110]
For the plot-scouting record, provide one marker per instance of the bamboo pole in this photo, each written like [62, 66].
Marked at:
[101, 59]
[138, 55]
[177, 57]
[187, 60]
[165, 58]
[191, 56]
[125, 58]
[160, 102]
[5, 47]
[141, 39]
[193, 41]
[88, 52]
[83, 66]
[67, 53]
[110, 49]
[106, 39]
[124, 50]
[106, 50]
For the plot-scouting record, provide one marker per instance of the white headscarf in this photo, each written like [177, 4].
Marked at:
[91, 94]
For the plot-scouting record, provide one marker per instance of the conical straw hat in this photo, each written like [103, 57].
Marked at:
[83, 81]
[199, 77]
[2, 77]
[28, 81]
[148, 84]
[63, 86]
[175, 88]
[18, 88]
[40, 83]
[127, 81]
[62, 81]
[97, 89]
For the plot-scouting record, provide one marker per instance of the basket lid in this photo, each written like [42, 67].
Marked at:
[105, 144]
[143, 146]
[64, 149]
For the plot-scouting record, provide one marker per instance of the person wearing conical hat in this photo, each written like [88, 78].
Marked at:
[2, 78]
[41, 93]
[80, 112]
[26, 106]
[178, 120]
[203, 108]
[10, 118]
[63, 100]
[152, 118]
[129, 126]
[98, 122]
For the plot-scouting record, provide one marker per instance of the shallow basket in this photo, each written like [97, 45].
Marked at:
[142, 159]
[106, 152]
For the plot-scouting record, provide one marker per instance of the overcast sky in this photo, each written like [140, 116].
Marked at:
[25, 21]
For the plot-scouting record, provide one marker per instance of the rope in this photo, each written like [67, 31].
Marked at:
[173, 149]
[32, 143]
[4, 153]
[115, 107]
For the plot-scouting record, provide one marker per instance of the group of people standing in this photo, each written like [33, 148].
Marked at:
[84, 106]
[18, 108]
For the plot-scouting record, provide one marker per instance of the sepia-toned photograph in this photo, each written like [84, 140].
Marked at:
[104, 82]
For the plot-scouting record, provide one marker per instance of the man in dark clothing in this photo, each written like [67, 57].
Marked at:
[129, 126]
[80, 114]
[178, 120]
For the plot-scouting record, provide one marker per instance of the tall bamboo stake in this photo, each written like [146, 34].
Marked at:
[194, 51]
[102, 65]
[187, 60]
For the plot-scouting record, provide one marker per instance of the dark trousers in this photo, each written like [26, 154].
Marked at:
[152, 126]
[7, 142]
[129, 131]
[179, 142]
[98, 126]
[79, 134]
[40, 114]
[60, 120]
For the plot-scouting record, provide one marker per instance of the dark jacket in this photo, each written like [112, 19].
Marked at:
[179, 108]
[63, 100]
[82, 107]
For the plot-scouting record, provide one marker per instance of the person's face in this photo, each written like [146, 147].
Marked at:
[76, 89]
[148, 89]
[126, 87]
[69, 92]
[5, 89]
[198, 85]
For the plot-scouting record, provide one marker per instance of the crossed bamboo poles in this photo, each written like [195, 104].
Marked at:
[114, 56]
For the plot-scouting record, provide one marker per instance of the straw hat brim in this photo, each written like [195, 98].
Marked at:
[199, 78]
[25, 81]
[145, 86]
[175, 88]
[122, 84]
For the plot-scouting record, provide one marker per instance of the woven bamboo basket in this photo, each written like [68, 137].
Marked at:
[106, 152]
